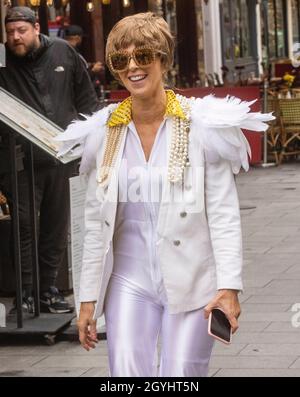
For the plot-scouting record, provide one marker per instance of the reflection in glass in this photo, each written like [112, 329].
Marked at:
[276, 29]
[242, 43]
[227, 29]
[237, 40]
[295, 4]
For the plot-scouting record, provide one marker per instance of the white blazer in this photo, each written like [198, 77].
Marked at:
[200, 245]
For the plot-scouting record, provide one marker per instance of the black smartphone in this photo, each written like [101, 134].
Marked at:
[219, 326]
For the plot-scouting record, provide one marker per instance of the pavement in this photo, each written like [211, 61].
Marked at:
[268, 340]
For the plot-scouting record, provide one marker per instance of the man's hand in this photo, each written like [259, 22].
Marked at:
[87, 326]
[227, 300]
[97, 67]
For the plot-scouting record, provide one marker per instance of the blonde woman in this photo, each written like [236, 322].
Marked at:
[163, 239]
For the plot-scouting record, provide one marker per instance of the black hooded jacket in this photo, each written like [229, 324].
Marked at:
[53, 80]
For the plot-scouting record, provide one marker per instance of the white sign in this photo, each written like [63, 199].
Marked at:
[78, 187]
[2, 56]
[2, 316]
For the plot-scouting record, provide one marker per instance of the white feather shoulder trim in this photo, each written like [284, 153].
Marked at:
[83, 138]
[218, 123]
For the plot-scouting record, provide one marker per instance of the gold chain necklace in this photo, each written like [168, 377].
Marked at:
[112, 145]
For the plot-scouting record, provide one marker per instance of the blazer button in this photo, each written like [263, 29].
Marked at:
[107, 223]
[176, 242]
[183, 214]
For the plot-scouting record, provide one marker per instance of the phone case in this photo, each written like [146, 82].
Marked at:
[216, 336]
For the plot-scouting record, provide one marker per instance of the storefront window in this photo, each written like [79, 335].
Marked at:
[236, 29]
[242, 43]
[199, 20]
[280, 19]
[264, 35]
[296, 20]
[227, 29]
[272, 36]
[276, 16]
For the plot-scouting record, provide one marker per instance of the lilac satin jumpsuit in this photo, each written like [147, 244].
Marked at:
[136, 309]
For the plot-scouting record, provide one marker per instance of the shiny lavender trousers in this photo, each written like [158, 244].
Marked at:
[136, 319]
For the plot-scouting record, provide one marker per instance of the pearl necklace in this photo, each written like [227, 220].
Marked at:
[180, 144]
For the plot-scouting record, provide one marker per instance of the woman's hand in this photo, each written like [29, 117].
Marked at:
[227, 300]
[87, 326]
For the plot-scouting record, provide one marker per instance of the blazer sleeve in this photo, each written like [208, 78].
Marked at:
[93, 244]
[223, 214]
[218, 128]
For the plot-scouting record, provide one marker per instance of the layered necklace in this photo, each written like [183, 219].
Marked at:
[178, 108]
[178, 159]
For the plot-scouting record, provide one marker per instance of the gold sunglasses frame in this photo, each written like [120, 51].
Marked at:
[154, 53]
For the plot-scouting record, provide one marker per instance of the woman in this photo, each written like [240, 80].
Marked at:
[163, 240]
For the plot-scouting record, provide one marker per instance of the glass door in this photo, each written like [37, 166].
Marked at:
[238, 28]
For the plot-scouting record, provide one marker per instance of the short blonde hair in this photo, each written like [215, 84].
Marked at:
[143, 29]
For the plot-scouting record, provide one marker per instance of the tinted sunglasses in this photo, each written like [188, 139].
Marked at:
[142, 56]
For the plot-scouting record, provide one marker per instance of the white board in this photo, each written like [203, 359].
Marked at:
[78, 187]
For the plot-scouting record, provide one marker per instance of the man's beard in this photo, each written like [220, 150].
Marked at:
[29, 49]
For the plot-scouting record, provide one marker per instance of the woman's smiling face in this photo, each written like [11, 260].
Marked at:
[142, 81]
